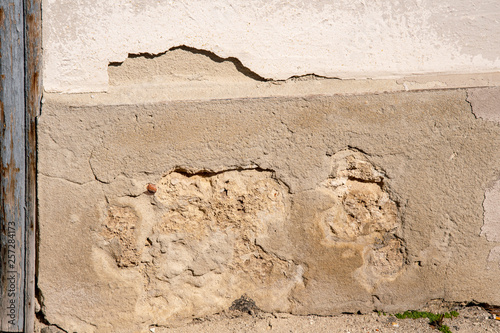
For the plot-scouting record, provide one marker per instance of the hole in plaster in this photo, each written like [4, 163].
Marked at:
[184, 63]
[363, 216]
[204, 230]
[180, 63]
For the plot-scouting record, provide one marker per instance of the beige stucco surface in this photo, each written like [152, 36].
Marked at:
[314, 157]
[275, 39]
[485, 103]
[306, 204]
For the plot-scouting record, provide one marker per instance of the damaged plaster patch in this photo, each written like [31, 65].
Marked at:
[491, 206]
[417, 37]
[485, 103]
[363, 217]
[119, 232]
[494, 255]
[179, 64]
[205, 233]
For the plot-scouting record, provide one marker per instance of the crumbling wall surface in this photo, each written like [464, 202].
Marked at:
[306, 205]
[485, 103]
[276, 39]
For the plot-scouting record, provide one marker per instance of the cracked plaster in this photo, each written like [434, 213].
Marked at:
[421, 156]
[293, 187]
[485, 103]
[278, 40]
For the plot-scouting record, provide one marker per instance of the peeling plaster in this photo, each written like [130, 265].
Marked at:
[419, 210]
[485, 103]
[491, 227]
[276, 40]
[494, 255]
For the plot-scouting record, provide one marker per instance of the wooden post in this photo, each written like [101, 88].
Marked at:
[20, 46]
[33, 96]
[12, 167]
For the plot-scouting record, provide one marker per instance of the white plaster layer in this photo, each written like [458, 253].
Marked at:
[277, 40]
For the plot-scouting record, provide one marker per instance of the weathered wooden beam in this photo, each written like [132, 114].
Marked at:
[12, 166]
[33, 95]
[20, 50]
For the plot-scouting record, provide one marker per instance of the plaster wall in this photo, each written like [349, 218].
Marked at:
[306, 204]
[276, 39]
[177, 181]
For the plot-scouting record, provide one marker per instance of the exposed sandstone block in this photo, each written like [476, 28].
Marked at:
[363, 214]
[119, 232]
[205, 233]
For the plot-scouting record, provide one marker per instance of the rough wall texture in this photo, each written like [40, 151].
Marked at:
[306, 204]
[486, 105]
[276, 39]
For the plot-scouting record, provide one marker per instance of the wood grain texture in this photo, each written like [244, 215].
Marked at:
[12, 166]
[33, 92]
[20, 51]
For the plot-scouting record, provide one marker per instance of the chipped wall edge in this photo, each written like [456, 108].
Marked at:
[130, 93]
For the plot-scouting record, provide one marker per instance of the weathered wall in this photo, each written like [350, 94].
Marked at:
[308, 195]
[306, 204]
[276, 39]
